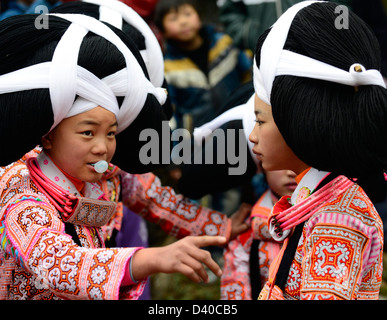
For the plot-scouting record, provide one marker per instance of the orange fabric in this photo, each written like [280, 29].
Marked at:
[302, 174]
[258, 210]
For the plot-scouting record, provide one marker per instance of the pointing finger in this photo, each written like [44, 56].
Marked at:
[204, 241]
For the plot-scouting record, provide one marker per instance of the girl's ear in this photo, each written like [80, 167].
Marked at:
[46, 142]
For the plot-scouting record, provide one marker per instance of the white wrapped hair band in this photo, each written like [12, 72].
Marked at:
[113, 11]
[136, 81]
[37, 76]
[357, 75]
[276, 61]
[242, 112]
[204, 131]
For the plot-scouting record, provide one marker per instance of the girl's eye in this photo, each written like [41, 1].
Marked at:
[171, 17]
[87, 133]
[112, 134]
[259, 122]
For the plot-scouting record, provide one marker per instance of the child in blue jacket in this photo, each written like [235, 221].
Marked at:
[202, 66]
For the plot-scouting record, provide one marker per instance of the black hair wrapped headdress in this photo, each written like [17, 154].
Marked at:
[323, 83]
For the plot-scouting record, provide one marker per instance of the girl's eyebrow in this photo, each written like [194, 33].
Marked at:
[95, 123]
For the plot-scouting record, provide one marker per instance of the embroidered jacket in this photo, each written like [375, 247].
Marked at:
[39, 260]
[235, 280]
[339, 254]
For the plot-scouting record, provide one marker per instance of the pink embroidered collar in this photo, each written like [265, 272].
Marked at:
[291, 211]
[93, 210]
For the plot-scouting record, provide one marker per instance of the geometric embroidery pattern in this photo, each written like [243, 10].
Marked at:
[92, 212]
[293, 284]
[56, 262]
[235, 280]
[233, 290]
[340, 252]
[335, 262]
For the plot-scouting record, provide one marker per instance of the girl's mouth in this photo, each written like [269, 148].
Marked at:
[100, 166]
[291, 186]
[258, 155]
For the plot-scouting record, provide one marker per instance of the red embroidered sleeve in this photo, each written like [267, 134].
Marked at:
[176, 214]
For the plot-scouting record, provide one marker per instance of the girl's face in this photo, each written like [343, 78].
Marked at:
[79, 141]
[183, 24]
[281, 182]
[269, 145]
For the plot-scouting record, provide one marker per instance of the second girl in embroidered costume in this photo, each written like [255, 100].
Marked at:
[320, 109]
[247, 257]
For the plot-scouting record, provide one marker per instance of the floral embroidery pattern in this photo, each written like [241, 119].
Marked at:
[303, 194]
[294, 280]
[56, 263]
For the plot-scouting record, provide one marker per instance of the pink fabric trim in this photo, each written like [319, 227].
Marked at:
[299, 213]
[127, 279]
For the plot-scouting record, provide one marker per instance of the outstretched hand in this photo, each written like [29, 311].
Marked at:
[183, 256]
[238, 220]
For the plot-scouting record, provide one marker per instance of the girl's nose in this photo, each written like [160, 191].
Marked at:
[253, 137]
[100, 146]
[182, 19]
[290, 173]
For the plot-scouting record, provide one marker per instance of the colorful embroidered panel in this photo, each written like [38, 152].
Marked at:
[340, 252]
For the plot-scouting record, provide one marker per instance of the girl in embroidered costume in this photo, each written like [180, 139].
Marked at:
[246, 258]
[77, 85]
[320, 110]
